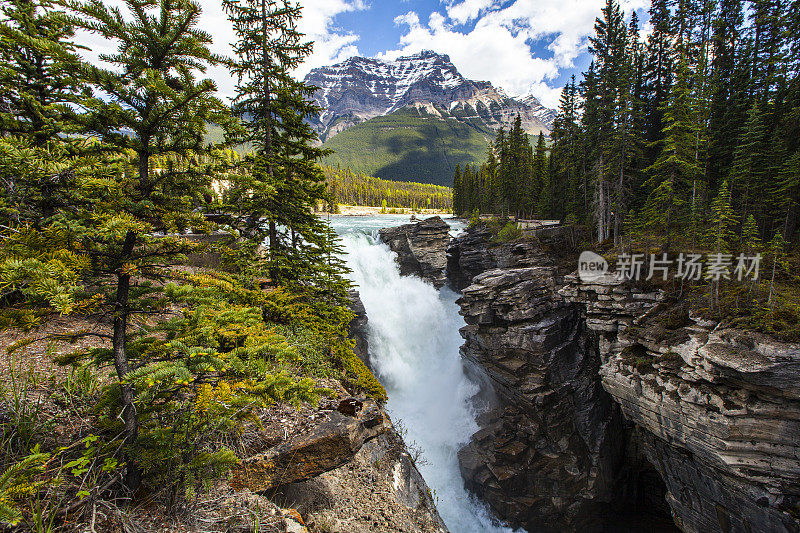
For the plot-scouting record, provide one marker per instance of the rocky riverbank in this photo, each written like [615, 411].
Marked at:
[611, 401]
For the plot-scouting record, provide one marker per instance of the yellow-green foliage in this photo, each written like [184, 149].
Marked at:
[42, 270]
[16, 483]
[329, 323]
[507, 233]
[300, 313]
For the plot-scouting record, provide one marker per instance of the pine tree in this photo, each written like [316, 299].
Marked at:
[751, 170]
[458, 207]
[609, 45]
[543, 197]
[721, 235]
[564, 155]
[725, 114]
[659, 71]
[39, 73]
[153, 108]
[282, 182]
[40, 88]
[676, 163]
[776, 253]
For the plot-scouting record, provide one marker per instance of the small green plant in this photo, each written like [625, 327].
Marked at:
[18, 481]
[510, 232]
[474, 219]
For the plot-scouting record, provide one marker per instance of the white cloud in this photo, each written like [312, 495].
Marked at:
[331, 44]
[498, 47]
[489, 52]
[467, 10]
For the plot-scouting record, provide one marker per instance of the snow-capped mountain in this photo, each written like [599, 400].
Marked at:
[360, 88]
[545, 114]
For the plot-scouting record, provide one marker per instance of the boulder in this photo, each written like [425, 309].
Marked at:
[332, 443]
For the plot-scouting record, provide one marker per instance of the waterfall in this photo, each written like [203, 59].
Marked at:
[414, 343]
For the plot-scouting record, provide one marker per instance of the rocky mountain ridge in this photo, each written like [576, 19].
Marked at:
[360, 88]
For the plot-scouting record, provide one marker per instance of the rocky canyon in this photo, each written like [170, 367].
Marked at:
[612, 402]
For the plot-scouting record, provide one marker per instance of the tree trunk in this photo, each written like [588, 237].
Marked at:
[127, 392]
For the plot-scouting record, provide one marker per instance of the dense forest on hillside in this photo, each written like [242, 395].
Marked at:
[688, 138]
[145, 329]
[409, 145]
[350, 188]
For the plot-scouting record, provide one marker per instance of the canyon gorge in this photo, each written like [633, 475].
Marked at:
[609, 402]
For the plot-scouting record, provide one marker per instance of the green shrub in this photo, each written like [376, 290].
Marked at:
[509, 232]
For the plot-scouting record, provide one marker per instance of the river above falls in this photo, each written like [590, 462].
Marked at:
[414, 350]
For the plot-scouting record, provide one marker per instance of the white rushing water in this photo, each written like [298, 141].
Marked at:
[413, 343]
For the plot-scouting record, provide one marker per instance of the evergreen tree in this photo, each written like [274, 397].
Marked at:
[564, 156]
[40, 88]
[721, 235]
[676, 163]
[542, 198]
[726, 91]
[610, 47]
[751, 167]
[152, 107]
[39, 73]
[458, 207]
[282, 183]
[659, 71]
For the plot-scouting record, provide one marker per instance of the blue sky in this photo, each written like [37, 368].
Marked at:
[523, 46]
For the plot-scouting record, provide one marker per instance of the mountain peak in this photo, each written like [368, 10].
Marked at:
[362, 88]
[425, 54]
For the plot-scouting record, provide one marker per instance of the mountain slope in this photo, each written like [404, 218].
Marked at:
[410, 144]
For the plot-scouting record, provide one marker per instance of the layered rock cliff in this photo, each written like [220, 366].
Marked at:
[612, 397]
[421, 248]
[548, 459]
[718, 411]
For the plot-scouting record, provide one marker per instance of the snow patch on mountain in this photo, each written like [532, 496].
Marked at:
[361, 88]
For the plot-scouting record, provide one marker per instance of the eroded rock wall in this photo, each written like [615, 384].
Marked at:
[600, 381]
[421, 248]
[547, 459]
[718, 410]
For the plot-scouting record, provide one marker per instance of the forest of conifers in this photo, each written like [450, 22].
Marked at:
[692, 127]
[351, 188]
[151, 351]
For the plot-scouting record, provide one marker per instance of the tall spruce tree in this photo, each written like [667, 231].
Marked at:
[564, 156]
[282, 183]
[726, 91]
[40, 88]
[676, 163]
[542, 198]
[39, 71]
[151, 107]
[659, 70]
